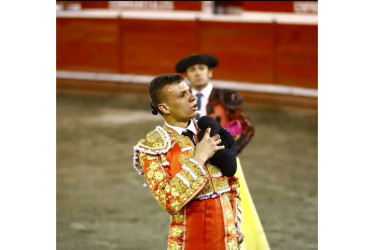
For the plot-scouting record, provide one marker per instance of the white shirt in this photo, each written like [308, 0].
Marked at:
[179, 130]
[204, 98]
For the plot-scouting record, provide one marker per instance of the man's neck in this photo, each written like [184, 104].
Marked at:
[175, 123]
[200, 88]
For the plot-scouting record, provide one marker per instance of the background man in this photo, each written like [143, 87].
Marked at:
[204, 205]
[223, 104]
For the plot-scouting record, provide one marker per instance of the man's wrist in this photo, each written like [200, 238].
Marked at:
[198, 160]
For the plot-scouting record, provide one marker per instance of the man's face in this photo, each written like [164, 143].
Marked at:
[180, 104]
[199, 76]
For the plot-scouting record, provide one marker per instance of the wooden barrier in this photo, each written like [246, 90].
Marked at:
[273, 53]
[245, 50]
[88, 44]
[154, 46]
[296, 55]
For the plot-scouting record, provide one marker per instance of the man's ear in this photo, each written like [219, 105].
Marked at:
[164, 108]
[210, 73]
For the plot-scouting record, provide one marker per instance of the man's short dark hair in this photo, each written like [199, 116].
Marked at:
[156, 85]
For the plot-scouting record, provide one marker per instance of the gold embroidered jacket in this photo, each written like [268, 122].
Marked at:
[165, 159]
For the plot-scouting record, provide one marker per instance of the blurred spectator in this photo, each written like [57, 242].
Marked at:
[222, 104]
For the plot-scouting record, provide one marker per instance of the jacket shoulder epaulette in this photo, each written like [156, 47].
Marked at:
[156, 142]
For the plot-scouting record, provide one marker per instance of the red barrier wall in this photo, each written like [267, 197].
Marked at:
[244, 50]
[154, 46]
[88, 44]
[296, 56]
[187, 5]
[252, 52]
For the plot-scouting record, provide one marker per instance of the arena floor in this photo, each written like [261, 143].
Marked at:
[101, 203]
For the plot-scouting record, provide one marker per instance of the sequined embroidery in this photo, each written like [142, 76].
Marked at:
[172, 193]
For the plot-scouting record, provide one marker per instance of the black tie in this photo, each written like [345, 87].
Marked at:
[190, 134]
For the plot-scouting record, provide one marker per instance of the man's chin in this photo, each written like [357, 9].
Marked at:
[193, 116]
[199, 84]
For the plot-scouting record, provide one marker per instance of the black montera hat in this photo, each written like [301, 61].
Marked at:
[224, 159]
[188, 61]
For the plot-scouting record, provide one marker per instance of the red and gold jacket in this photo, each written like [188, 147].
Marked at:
[176, 180]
